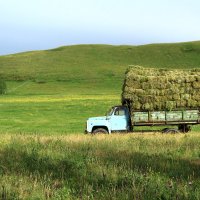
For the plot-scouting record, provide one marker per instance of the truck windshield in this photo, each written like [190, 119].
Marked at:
[110, 112]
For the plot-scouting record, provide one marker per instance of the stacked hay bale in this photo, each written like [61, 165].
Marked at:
[161, 89]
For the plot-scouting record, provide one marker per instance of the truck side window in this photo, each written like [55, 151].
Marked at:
[120, 111]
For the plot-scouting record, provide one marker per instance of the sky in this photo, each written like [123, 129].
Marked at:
[27, 25]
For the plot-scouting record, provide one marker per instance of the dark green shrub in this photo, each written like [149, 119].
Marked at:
[2, 86]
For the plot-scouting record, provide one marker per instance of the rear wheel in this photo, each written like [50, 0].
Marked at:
[184, 128]
[99, 130]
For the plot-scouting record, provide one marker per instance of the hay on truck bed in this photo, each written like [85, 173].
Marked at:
[161, 89]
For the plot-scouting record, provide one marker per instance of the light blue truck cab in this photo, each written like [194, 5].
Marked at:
[117, 119]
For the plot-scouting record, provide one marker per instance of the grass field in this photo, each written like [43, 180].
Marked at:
[51, 114]
[43, 151]
[150, 166]
[54, 107]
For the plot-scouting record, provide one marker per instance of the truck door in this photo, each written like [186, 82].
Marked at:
[119, 119]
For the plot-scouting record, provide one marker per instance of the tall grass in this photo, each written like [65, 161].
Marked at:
[151, 166]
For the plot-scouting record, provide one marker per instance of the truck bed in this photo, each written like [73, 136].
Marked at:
[174, 117]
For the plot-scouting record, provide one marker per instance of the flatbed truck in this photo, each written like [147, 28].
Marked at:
[122, 119]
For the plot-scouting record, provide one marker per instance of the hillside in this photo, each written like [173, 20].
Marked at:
[96, 62]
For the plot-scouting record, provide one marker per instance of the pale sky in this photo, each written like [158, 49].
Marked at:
[42, 24]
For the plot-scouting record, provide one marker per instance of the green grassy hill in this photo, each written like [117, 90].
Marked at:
[96, 62]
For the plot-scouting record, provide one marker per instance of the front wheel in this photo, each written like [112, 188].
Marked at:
[100, 130]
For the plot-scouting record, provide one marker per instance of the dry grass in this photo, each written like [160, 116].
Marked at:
[88, 138]
[58, 98]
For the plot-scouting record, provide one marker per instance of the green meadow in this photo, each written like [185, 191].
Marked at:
[50, 94]
[77, 166]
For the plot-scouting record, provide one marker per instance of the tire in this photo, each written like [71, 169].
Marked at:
[100, 130]
[184, 128]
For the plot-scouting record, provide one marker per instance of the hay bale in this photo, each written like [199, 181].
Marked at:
[181, 104]
[156, 89]
[196, 84]
[170, 105]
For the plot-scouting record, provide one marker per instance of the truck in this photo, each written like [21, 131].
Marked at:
[153, 97]
[121, 119]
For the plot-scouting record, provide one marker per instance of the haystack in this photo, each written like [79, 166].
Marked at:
[161, 89]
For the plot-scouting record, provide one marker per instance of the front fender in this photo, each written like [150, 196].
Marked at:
[98, 123]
